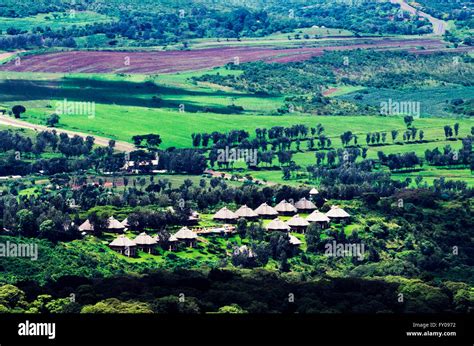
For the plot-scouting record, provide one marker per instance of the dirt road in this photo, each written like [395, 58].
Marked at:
[102, 141]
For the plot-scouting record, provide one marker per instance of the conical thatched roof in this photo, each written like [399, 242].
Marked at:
[185, 233]
[337, 213]
[313, 191]
[297, 221]
[317, 216]
[265, 210]
[294, 240]
[122, 241]
[125, 223]
[277, 225]
[144, 239]
[245, 211]
[114, 224]
[225, 214]
[285, 207]
[86, 226]
[304, 204]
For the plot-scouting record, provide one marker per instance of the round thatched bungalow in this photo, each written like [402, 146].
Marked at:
[114, 225]
[285, 208]
[337, 214]
[145, 242]
[319, 218]
[304, 205]
[86, 226]
[297, 223]
[313, 192]
[187, 236]
[125, 223]
[278, 225]
[266, 211]
[246, 213]
[124, 246]
[225, 215]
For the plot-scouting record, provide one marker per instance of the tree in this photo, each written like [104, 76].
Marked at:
[231, 309]
[52, 120]
[17, 110]
[456, 129]
[408, 119]
[394, 134]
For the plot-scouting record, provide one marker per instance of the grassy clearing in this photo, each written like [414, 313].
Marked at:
[53, 20]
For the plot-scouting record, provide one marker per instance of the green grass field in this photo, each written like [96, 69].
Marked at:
[127, 105]
[54, 20]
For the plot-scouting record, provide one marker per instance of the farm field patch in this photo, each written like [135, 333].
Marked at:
[186, 60]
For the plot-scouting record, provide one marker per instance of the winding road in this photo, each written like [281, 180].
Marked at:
[439, 26]
[102, 141]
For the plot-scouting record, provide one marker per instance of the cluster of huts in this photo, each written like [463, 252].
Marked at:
[296, 223]
[126, 246]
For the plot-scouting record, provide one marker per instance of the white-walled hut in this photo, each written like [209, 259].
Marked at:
[246, 213]
[124, 245]
[225, 215]
[285, 208]
[266, 211]
[187, 236]
[277, 225]
[338, 214]
[319, 218]
[304, 205]
[114, 225]
[145, 242]
[86, 226]
[297, 223]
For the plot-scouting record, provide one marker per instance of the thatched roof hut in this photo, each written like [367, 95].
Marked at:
[225, 215]
[185, 233]
[114, 225]
[246, 212]
[313, 192]
[123, 245]
[305, 205]
[86, 226]
[317, 216]
[277, 225]
[295, 241]
[266, 211]
[297, 223]
[337, 213]
[285, 207]
[144, 239]
[122, 241]
[187, 236]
